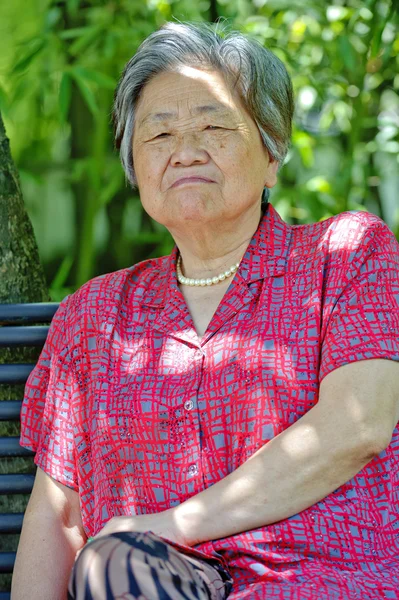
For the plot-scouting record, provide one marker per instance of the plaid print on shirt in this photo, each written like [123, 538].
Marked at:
[128, 407]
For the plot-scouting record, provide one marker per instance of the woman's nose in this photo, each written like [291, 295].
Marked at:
[188, 150]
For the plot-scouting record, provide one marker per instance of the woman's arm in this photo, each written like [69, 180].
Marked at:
[352, 423]
[52, 534]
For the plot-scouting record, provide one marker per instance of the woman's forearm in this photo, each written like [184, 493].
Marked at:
[45, 557]
[293, 471]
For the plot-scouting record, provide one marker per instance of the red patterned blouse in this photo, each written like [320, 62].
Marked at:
[129, 408]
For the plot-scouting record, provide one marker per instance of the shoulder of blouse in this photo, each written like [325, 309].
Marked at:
[111, 285]
[94, 303]
[342, 247]
[344, 238]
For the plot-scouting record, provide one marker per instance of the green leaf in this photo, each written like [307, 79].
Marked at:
[52, 17]
[70, 34]
[114, 183]
[347, 53]
[65, 95]
[110, 45]
[3, 100]
[318, 184]
[100, 78]
[30, 177]
[36, 46]
[72, 6]
[58, 294]
[91, 33]
[62, 273]
[379, 29]
[85, 90]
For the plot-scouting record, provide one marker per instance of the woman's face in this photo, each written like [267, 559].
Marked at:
[190, 124]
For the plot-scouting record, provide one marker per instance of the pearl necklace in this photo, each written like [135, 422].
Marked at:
[201, 282]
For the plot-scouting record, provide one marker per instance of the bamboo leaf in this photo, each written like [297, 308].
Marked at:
[113, 185]
[347, 53]
[91, 33]
[70, 34]
[52, 17]
[96, 76]
[3, 100]
[36, 46]
[62, 273]
[87, 93]
[65, 95]
[73, 6]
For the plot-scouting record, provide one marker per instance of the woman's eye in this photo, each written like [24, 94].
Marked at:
[211, 127]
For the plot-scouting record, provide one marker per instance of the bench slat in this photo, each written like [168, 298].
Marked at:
[9, 446]
[34, 335]
[16, 483]
[10, 410]
[16, 373]
[35, 312]
[7, 560]
[11, 522]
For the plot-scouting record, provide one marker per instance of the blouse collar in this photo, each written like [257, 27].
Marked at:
[266, 256]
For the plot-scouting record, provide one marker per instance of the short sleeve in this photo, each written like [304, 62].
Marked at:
[364, 321]
[46, 415]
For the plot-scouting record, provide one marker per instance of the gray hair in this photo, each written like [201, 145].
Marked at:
[262, 79]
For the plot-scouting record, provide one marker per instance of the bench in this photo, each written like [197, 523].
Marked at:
[21, 326]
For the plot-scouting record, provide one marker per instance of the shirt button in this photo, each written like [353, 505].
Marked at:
[188, 405]
[192, 470]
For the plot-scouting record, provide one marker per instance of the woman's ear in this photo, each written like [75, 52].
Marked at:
[271, 173]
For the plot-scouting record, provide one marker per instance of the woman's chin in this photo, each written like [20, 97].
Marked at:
[195, 210]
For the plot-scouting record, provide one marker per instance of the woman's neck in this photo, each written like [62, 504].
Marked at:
[206, 254]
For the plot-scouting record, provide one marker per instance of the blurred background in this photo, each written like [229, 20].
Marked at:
[60, 62]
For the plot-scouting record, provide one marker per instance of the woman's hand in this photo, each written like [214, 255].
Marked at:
[163, 524]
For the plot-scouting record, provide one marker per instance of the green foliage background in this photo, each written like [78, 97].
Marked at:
[59, 65]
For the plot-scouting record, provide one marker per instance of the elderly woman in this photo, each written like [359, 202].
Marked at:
[222, 421]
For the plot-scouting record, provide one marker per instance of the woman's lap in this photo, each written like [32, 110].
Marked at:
[132, 565]
[143, 566]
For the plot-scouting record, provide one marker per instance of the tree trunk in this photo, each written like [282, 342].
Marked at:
[22, 277]
[21, 280]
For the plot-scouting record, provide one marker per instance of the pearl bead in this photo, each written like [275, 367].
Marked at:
[202, 282]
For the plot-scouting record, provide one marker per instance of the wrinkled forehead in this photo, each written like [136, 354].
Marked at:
[201, 91]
